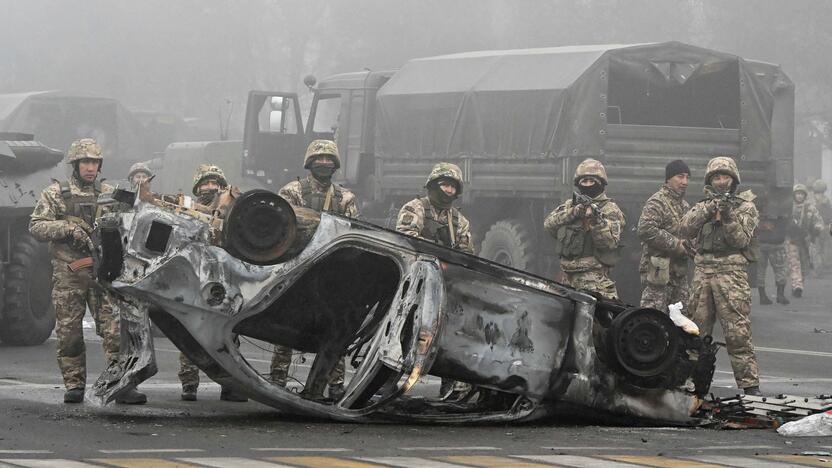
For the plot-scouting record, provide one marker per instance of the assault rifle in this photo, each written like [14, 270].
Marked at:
[724, 199]
[579, 199]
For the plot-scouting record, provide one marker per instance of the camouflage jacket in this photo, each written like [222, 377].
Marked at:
[606, 232]
[411, 221]
[739, 229]
[48, 222]
[824, 207]
[808, 221]
[343, 202]
[658, 229]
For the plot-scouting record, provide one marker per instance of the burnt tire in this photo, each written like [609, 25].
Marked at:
[27, 304]
[509, 243]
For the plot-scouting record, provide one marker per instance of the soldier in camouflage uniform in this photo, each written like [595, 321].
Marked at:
[822, 251]
[588, 235]
[434, 218]
[64, 216]
[139, 173]
[806, 225]
[723, 225]
[771, 235]
[209, 180]
[317, 192]
[664, 255]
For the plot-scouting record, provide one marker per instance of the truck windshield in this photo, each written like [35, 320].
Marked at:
[327, 111]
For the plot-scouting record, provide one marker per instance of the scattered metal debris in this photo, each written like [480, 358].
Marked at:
[747, 412]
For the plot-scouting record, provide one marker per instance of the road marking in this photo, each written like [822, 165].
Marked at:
[24, 452]
[410, 462]
[802, 352]
[801, 459]
[661, 462]
[300, 449]
[231, 462]
[142, 463]
[487, 461]
[323, 462]
[413, 449]
[743, 462]
[47, 463]
[733, 447]
[171, 450]
[595, 448]
[577, 461]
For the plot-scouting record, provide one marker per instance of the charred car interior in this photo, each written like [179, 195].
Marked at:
[396, 308]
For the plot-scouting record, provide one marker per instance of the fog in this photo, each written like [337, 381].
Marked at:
[191, 57]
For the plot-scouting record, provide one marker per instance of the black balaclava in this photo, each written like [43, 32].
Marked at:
[322, 174]
[593, 190]
[438, 197]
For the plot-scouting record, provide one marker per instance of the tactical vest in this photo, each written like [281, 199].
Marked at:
[573, 241]
[435, 230]
[81, 206]
[711, 240]
[315, 200]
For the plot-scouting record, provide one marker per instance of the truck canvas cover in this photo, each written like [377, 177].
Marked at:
[559, 101]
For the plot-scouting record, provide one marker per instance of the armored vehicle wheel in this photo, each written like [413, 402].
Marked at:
[29, 316]
[509, 243]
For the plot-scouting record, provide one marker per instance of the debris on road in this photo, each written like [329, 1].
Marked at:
[755, 412]
[819, 424]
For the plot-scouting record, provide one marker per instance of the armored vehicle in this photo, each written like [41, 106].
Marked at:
[26, 167]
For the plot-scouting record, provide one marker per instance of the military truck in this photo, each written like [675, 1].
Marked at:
[519, 121]
[26, 167]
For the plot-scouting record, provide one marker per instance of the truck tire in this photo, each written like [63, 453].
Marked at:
[30, 317]
[509, 243]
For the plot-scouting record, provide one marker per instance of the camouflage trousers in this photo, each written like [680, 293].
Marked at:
[282, 359]
[798, 261]
[596, 279]
[774, 254]
[188, 372]
[821, 251]
[727, 296]
[659, 297]
[72, 292]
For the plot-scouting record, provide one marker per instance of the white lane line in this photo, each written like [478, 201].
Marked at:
[48, 463]
[623, 449]
[576, 461]
[733, 447]
[410, 462]
[476, 447]
[231, 462]
[171, 450]
[742, 462]
[802, 352]
[23, 452]
[301, 449]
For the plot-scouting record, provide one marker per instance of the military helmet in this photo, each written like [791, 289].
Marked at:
[722, 164]
[139, 167]
[591, 168]
[819, 186]
[446, 170]
[800, 188]
[321, 148]
[85, 148]
[206, 172]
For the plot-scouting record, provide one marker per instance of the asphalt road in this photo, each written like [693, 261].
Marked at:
[794, 346]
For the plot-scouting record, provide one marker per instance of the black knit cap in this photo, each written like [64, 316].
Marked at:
[675, 168]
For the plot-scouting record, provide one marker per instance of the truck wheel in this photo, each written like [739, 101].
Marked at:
[509, 243]
[30, 317]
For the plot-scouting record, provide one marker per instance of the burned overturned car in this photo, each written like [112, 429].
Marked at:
[396, 307]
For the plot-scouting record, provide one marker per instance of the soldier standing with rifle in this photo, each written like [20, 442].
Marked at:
[822, 248]
[587, 231]
[723, 225]
[664, 254]
[65, 216]
[771, 235]
[806, 225]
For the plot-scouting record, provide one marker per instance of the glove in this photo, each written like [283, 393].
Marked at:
[79, 239]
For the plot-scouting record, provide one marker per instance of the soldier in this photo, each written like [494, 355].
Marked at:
[822, 249]
[587, 231]
[771, 235]
[664, 255]
[723, 225]
[64, 216]
[806, 225]
[209, 180]
[139, 173]
[317, 192]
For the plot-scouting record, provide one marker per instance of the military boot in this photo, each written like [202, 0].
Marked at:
[188, 393]
[797, 292]
[781, 294]
[336, 391]
[132, 397]
[228, 394]
[752, 391]
[74, 395]
[764, 299]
